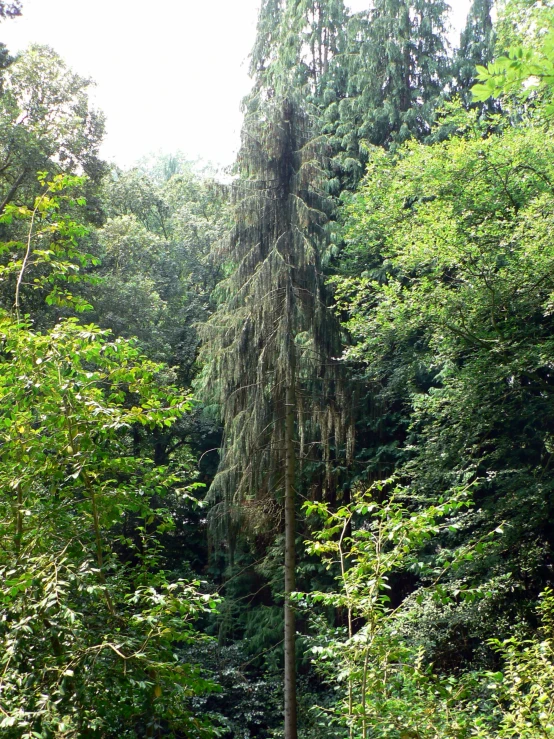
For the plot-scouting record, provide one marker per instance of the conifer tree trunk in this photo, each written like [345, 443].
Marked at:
[290, 537]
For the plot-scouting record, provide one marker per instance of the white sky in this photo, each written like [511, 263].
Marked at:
[170, 75]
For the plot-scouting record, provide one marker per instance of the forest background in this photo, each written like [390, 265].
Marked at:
[285, 440]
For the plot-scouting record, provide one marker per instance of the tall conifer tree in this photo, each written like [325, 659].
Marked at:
[476, 46]
[297, 41]
[269, 347]
[396, 68]
[373, 76]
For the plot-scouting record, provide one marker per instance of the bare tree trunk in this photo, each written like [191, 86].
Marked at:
[290, 552]
[13, 190]
[290, 575]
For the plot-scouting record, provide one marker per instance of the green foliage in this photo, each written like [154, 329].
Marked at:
[422, 606]
[46, 123]
[523, 690]
[45, 253]
[90, 619]
[521, 22]
[7, 10]
[386, 685]
[92, 623]
[523, 69]
[156, 272]
[446, 279]
[452, 319]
